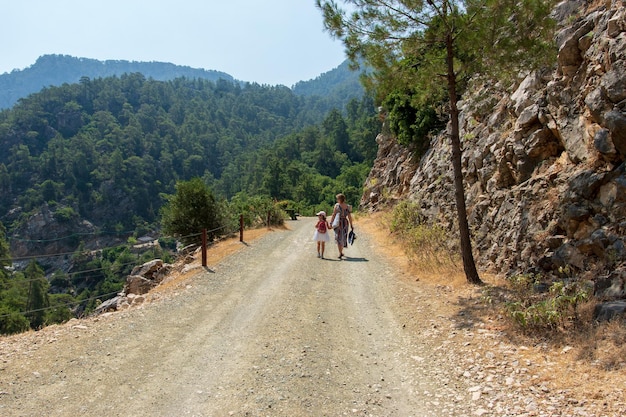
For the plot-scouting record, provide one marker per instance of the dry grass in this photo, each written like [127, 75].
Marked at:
[597, 348]
[603, 345]
[442, 272]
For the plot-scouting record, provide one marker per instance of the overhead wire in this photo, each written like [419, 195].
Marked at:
[77, 302]
[70, 274]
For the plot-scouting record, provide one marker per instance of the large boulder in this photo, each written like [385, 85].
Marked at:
[148, 269]
[611, 287]
[136, 284]
[610, 310]
[109, 305]
[147, 276]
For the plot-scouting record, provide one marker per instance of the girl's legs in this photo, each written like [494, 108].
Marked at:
[323, 246]
[318, 249]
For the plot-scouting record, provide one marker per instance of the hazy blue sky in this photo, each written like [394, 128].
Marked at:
[266, 41]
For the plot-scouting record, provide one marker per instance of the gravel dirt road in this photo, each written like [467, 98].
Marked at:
[272, 330]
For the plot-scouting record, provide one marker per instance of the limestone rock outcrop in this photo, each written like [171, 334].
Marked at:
[544, 167]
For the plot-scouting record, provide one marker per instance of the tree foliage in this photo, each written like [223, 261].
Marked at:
[191, 209]
[37, 295]
[104, 148]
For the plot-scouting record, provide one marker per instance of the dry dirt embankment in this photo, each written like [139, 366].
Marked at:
[273, 331]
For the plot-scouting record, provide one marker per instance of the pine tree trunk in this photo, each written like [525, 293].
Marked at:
[469, 266]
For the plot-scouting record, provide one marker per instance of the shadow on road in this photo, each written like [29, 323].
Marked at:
[349, 259]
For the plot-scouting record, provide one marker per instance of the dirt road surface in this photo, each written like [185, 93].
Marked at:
[272, 330]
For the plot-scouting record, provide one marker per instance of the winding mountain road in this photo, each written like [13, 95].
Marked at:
[272, 330]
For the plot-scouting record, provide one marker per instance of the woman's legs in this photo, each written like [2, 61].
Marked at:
[338, 240]
[341, 235]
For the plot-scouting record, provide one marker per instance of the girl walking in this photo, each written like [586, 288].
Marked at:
[321, 235]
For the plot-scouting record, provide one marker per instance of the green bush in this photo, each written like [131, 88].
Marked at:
[64, 214]
[557, 307]
[59, 311]
[191, 209]
[405, 216]
[409, 123]
[12, 322]
[256, 209]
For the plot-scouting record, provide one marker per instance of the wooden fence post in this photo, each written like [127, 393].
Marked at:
[241, 227]
[204, 247]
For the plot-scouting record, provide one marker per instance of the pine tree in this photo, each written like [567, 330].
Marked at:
[37, 295]
[190, 210]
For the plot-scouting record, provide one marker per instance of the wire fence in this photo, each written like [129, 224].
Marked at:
[70, 274]
[73, 235]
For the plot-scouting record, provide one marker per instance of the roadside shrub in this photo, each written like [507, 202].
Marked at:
[193, 208]
[558, 307]
[255, 210]
[59, 311]
[65, 214]
[425, 243]
[12, 322]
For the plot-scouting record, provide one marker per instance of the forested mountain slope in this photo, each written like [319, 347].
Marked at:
[340, 84]
[108, 147]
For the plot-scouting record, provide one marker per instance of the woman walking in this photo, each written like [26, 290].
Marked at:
[344, 211]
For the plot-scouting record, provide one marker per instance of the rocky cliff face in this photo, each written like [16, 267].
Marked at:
[544, 169]
[53, 234]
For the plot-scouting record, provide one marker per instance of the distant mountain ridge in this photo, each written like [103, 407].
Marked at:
[340, 83]
[59, 69]
[327, 82]
[56, 70]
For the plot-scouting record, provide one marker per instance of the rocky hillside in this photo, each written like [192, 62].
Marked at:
[544, 167]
